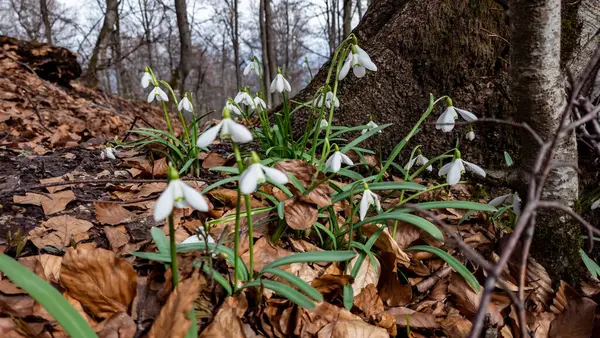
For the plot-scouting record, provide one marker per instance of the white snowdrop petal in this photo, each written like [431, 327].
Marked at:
[364, 206]
[275, 175]
[467, 115]
[146, 78]
[334, 163]
[475, 168]
[208, 136]
[446, 121]
[444, 170]
[410, 163]
[286, 84]
[164, 204]
[498, 200]
[194, 198]
[151, 96]
[323, 123]
[345, 68]
[239, 133]
[273, 85]
[253, 176]
[359, 71]
[454, 173]
[365, 59]
[163, 96]
[346, 159]
[595, 204]
[517, 205]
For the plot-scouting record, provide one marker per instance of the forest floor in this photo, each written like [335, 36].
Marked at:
[88, 229]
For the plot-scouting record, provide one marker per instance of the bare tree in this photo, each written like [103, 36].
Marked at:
[185, 44]
[347, 17]
[46, 20]
[90, 77]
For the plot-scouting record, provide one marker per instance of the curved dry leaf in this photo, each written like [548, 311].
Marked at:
[59, 231]
[212, 160]
[366, 274]
[160, 168]
[352, 328]
[417, 320]
[539, 280]
[406, 234]
[456, 326]
[265, 253]
[300, 215]
[120, 325]
[386, 243]
[369, 301]
[102, 282]
[305, 173]
[112, 213]
[227, 322]
[576, 320]
[311, 322]
[391, 291]
[173, 319]
[117, 236]
[51, 203]
[51, 267]
[467, 300]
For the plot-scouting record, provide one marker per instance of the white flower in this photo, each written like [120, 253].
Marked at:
[446, 121]
[109, 153]
[146, 79]
[280, 84]
[252, 66]
[508, 198]
[329, 98]
[370, 125]
[198, 238]
[419, 160]
[233, 107]
[470, 135]
[595, 204]
[229, 129]
[323, 124]
[454, 170]
[368, 199]
[359, 60]
[259, 103]
[180, 195]
[185, 104]
[334, 162]
[255, 175]
[245, 98]
[159, 94]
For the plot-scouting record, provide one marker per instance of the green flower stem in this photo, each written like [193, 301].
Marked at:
[164, 105]
[173, 249]
[236, 238]
[250, 235]
[240, 164]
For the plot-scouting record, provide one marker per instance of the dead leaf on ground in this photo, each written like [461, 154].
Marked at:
[352, 328]
[311, 322]
[117, 236]
[417, 320]
[367, 274]
[265, 253]
[51, 203]
[9, 288]
[112, 213]
[160, 168]
[406, 234]
[213, 160]
[577, 319]
[63, 178]
[59, 231]
[173, 319]
[328, 283]
[305, 173]
[456, 326]
[300, 215]
[467, 300]
[120, 325]
[369, 301]
[386, 243]
[51, 266]
[391, 291]
[537, 277]
[539, 323]
[227, 322]
[18, 306]
[102, 282]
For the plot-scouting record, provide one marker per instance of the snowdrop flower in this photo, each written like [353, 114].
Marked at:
[146, 79]
[470, 135]
[185, 104]
[370, 125]
[199, 238]
[368, 199]
[233, 107]
[334, 162]
[255, 175]
[177, 194]
[456, 168]
[508, 198]
[595, 204]
[245, 98]
[109, 153]
[323, 124]
[159, 94]
[446, 121]
[359, 60]
[259, 103]
[418, 160]
[229, 129]
[252, 66]
[329, 99]
[280, 84]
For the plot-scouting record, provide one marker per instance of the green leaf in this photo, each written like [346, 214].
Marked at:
[297, 282]
[220, 183]
[212, 273]
[377, 187]
[592, 267]
[284, 291]
[227, 252]
[453, 262]
[296, 183]
[455, 204]
[161, 241]
[153, 256]
[399, 215]
[313, 257]
[508, 159]
[186, 166]
[48, 297]
[348, 297]
[323, 228]
[229, 170]
[281, 210]
[364, 137]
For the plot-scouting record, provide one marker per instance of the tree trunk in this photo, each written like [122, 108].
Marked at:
[90, 78]
[264, 44]
[457, 48]
[185, 44]
[347, 17]
[46, 20]
[236, 45]
[271, 42]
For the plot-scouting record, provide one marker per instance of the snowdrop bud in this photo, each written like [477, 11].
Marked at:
[109, 153]
[470, 135]
[146, 79]
[185, 104]
[256, 174]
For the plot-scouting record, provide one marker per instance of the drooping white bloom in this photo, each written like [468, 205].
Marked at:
[446, 121]
[185, 104]
[109, 153]
[280, 84]
[470, 135]
[255, 175]
[245, 98]
[329, 98]
[323, 124]
[146, 79]
[595, 204]
[180, 195]
[368, 199]
[508, 198]
[252, 66]
[359, 60]
[370, 125]
[456, 168]
[334, 162]
[159, 94]
[259, 103]
[418, 160]
[229, 129]
[199, 237]
[233, 107]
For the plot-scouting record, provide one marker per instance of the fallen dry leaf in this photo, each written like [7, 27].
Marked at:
[305, 173]
[59, 231]
[51, 267]
[102, 282]
[456, 326]
[57, 179]
[9, 288]
[51, 203]
[311, 322]
[112, 213]
[391, 291]
[467, 300]
[417, 320]
[352, 328]
[368, 301]
[265, 253]
[577, 318]
[366, 275]
[300, 215]
[120, 325]
[386, 243]
[173, 319]
[117, 236]
[227, 322]
[213, 160]
[160, 168]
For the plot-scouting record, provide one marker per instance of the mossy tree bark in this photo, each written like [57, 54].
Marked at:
[458, 48]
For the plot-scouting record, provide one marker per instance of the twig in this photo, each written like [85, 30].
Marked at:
[430, 281]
